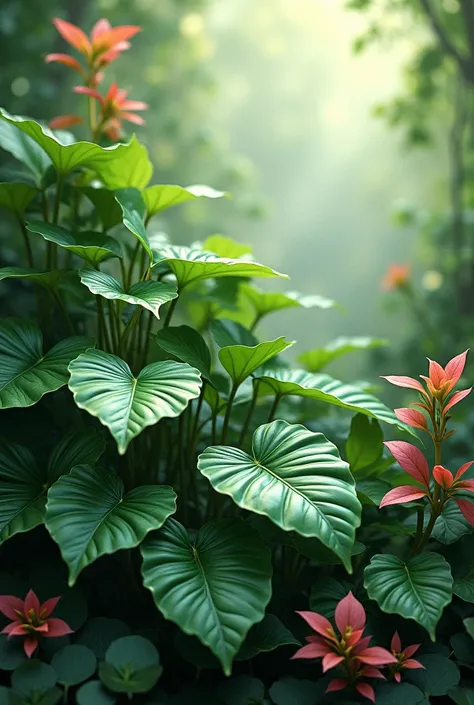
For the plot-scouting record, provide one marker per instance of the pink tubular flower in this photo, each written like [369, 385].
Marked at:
[350, 649]
[403, 657]
[31, 619]
[115, 107]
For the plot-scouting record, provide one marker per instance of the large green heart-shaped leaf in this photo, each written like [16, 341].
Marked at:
[26, 372]
[364, 446]
[419, 589]
[16, 197]
[104, 385]
[225, 247]
[108, 162]
[450, 525]
[192, 265]
[315, 360]
[48, 280]
[187, 345]
[148, 294]
[160, 197]
[294, 477]
[90, 246]
[81, 447]
[101, 518]
[291, 382]
[132, 170]
[133, 208]
[215, 587]
[240, 361]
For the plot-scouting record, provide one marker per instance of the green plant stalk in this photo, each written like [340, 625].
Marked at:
[170, 312]
[436, 504]
[255, 322]
[228, 411]
[131, 266]
[103, 333]
[65, 313]
[57, 206]
[274, 408]
[129, 327]
[195, 428]
[250, 411]
[114, 333]
[183, 480]
[26, 239]
[146, 339]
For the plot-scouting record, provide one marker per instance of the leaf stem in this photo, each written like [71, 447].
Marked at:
[170, 312]
[274, 407]
[26, 238]
[104, 339]
[230, 401]
[250, 411]
[65, 313]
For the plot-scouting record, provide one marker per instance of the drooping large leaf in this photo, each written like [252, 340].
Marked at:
[226, 247]
[104, 385]
[264, 302]
[315, 360]
[26, 372]
[215, 587]
[187, 345]
[90, 246]
[364, 446]
[48, 280]
[101, 517]
[240, 361]
[108, 162]
[22, 496]
[148, 294]
[133, 208]
[419, 589]
[192, 265]
[159, 197]
[16, 197]
[291, 382]
[294, 477]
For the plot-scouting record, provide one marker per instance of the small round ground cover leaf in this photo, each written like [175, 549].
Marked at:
[399, 694]
[132, 665]
[241, 691]
[437, 678]
[216, 587]
[94, 693]
[104, 385]
[33, 675]
[100, 632]
[26, 372]
[74, 664]
[101, 517]
[266, 636]
[289, 691]
[419, 589]
[7, 697]
[294, 477]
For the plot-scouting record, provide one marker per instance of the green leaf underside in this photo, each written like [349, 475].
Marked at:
[315, 360]
[104, 385]
[160, 197]
[107, 162]
[16, 197]
[133, 209]
[26, 373]
[240, 361]
[418, 589]
[101, 518]
[187, 345]
[322, 387]
[90, 246]
[294, 477]
[214, 588]
[48, 280]
[147, 294]
[193, 265]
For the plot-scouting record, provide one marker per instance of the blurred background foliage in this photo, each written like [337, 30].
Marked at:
[344, 131]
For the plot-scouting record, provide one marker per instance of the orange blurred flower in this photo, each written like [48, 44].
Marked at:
[114, 107]
[396, 276]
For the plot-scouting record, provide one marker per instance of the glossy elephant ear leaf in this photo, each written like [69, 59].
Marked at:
[419, 589]
[150, 295]
[321, 387]
[192, 265]
[104, 385]
[240, 361]
[160, 197]
[16, 197]
[81, 447]
[315, 360]
[293, 468]
[187, 345]
[215, 587]
[90, 246]
[26, 372]
[134, 211]
[23, 490]
[101, 517]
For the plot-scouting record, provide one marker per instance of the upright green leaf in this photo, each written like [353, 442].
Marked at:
[264, 302]
[104, 385]
[16, 197]
[214, 587]
[291, 468]
[226, 332]
[225, 247]
[419, 589]
[133, 208]
[187, 345]
[78, 447]
[101, 517]
[160, 197]
[193, 265]
[90, 246]
[105, 204]
[364, 446]
[241, 361]
[291, 382]
[148, 294]
[25, 149]
[26, 372]
[131, 169]
[315, 360]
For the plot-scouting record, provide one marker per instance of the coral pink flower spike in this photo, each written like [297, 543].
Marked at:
[403, 657]
[32, 619]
